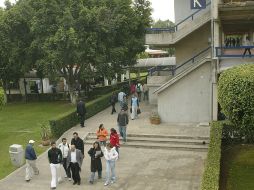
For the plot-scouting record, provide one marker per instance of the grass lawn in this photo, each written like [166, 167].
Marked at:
[20, 122]
[237, 172]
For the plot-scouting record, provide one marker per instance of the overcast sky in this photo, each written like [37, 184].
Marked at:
[162, 9]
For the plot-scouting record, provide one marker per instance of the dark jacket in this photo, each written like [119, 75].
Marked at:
[55, 156]
[113, 99]
[95, 161]
[79, 144]
[79, 157]
[81, 108]
[122, 119]
[30, 153]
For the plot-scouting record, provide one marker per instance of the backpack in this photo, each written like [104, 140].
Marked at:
[138, 88]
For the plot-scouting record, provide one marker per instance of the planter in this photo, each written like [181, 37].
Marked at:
[155, 121]
[45, 142]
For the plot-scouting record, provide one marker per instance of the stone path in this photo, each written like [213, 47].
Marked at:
[137, 169]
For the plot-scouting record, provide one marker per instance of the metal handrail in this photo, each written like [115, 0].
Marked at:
[174, 28]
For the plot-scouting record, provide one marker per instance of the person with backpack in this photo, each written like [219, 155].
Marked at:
[139, 90]
[65, 147]
[95, 153]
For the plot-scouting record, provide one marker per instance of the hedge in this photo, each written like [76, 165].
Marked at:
[2, 97]
[37, 97]
[211, 176]
[67, 120]
[236, 97]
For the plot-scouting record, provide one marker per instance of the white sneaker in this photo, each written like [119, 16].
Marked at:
[106, 184]
[69, 179]
[112, 182]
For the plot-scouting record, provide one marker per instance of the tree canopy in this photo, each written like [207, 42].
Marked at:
[71, 38]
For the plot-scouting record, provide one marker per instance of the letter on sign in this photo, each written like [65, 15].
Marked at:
[198, 4]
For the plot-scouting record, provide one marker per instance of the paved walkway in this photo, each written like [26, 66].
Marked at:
[137, 169]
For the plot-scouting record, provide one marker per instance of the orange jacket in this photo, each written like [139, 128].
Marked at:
[102, 135]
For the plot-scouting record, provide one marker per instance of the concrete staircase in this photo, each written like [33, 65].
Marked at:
[185, 143]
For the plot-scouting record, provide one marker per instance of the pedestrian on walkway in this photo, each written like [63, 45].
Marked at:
[55, 158]
[114, 139]
[113, 101]
[78, 142]
[125, 104]
[122, 122]
[111, 156]
[74, 161]
[139, 90]
[145, 91]
[95, 154]
[102, 134]
[81, 112]
[65, 147]
[247, 43]
[31, 157]
[133, 88]
[121, 98]
[134, 106]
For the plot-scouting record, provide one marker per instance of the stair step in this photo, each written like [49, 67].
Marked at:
[150, 145]
[163, 136]
[160, 140]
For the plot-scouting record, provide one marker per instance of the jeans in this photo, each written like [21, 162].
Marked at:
[30, 169]
[134, 114]
[55, 174]
[82, 120]
[110, 169]
[122, 131]
[67, 170]
[113, 108]
[93, 175]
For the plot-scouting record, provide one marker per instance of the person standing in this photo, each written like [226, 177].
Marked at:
[74, 161]
[247, 43]
[111, 156]
[146, 91]
[78, 142]
[114, 139]
[55, 158]
[122, 121]
[134, 106]
[95, 154]
[30, 157]
[121, 98]
[102, 134]
[81, 112]
[112, 101]
[65, 147]
[133, 88]
[139, 90]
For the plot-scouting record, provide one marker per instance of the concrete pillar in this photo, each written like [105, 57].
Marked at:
[122, 77]
[105, 81]
[127, 74]
[215, 26]
[214, 90]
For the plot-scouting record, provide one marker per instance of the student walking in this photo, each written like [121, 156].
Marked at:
[55, 158]
[95, 153]
[247, 43]
[113, 101]
[134, 106]
[74, 161]
[122, 121]
[78, 142]
[102, 134]
[31, 157]
[65, 147]
[139, 90]
[121, 98]
[81, 112]
[114, 139]
[111, 156]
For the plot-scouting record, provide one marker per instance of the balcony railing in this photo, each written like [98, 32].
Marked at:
[237, 51]
[175, 27]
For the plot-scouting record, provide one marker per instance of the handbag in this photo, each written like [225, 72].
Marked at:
[138, 111]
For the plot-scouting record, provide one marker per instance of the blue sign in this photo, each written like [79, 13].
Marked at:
[198, 4]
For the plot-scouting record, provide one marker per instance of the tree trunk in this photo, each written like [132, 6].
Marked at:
[42, 91]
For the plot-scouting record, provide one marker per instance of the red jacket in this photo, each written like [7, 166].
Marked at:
[114, 139]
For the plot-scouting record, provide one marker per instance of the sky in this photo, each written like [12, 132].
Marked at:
[162, 9]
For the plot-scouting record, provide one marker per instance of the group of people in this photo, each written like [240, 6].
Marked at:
[71, 156]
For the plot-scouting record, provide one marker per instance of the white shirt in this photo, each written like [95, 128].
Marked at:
[64, 149]
[73, 156]
[120, 96]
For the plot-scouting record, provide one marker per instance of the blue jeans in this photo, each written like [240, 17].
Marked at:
[93, 175]
[110, 169]
[122, 131]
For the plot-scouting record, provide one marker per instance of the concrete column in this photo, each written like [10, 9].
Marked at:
[215, 26]
[105, 81]
[127, 74]
[122, 77]
[214, 90]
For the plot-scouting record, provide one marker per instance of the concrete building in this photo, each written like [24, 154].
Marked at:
[209, 37]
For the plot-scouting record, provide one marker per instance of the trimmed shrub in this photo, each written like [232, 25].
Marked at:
[67, 120]
[236, 97]
[2, 97]
[211, 176]
[47, 97]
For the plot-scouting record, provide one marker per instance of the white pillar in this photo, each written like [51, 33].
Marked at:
[122, 77]
[105, 81]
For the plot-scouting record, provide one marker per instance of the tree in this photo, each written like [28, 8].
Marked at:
[162, 24]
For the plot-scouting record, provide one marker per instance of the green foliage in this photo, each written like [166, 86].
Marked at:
[45, 132]
[143, 55]
[211, 176]
[236, 97]
[2, 98]
[163, 24]
[38, 97]
[69, 119]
